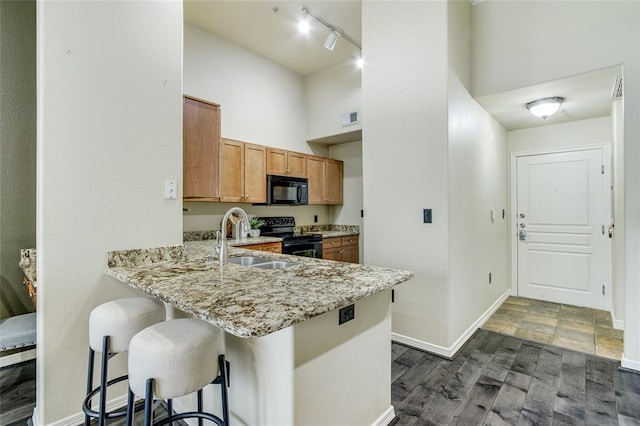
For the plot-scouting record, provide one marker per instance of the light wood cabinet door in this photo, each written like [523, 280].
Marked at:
[276, 161]
[297, 164]
[315, 174]
[231, 170]
[255, 174]
[333, 181]
[252, 247]
[286, 163]
[349, 253]
[200, 141]
[331, 253]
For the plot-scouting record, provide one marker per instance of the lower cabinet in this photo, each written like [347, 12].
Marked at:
[342, 249]
[270, 247]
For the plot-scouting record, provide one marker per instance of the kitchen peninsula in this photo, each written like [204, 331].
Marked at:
[292, 362]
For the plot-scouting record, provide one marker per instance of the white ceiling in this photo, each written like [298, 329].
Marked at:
[586, 96]
[254, 25]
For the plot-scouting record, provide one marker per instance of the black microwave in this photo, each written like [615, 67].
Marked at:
[287, 191]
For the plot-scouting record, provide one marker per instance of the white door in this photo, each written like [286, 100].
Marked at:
[561, 210]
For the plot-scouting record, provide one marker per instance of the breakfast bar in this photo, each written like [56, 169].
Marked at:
[294, 359]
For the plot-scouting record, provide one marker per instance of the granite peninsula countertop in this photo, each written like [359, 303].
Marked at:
[247, 301]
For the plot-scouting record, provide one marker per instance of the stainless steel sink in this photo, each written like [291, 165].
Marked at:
[260, 262]
[248, 260]
[276, 264]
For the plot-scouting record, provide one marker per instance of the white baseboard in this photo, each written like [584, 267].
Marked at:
[78, 418]
[17, 357]
[618, 324]
[450, 352]
[630, 364]
[386, 417]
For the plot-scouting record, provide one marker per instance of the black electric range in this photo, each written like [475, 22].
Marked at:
[309, 245]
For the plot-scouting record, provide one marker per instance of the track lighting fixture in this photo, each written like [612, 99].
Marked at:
[334, 34]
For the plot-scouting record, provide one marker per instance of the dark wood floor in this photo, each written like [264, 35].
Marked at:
[494, 380]
[17, 393]
[504, 380]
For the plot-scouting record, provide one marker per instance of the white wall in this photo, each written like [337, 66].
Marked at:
[109, 133]
[617, 137]
[404, 151]
[586, 35]
[575, 134]
[18, 147]
[329, 94]
[477, 184]
[261, 102]
[349, 212]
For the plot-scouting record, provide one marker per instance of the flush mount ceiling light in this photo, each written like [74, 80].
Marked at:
[334, 32]
[545, 107]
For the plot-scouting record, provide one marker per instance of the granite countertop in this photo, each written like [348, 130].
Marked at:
[246, 301]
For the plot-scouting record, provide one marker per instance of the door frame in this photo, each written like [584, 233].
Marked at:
[606, 199]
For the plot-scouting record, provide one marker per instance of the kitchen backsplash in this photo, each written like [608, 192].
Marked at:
[303, 229]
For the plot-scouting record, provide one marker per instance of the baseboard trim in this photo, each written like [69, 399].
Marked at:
[450, 352]
[630, 364]
[617, 323]
[78, 418]
[17, 358]
[386, 417]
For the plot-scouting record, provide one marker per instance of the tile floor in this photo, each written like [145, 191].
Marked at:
[571, 327]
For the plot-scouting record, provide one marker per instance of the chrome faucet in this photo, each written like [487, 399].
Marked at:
[221, 239]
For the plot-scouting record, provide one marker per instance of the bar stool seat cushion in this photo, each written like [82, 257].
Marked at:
[18, 331]
[180, 355]
[121, 319]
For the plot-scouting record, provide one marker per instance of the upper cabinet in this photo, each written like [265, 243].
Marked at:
[286, 163]
[325, 180]
[243, 177]
[200, 141]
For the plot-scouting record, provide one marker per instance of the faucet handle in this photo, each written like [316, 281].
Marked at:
[218, 243]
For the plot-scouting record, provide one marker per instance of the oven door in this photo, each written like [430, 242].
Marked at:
[306, 249]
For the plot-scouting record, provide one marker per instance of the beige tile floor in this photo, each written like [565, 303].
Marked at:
[571, 327]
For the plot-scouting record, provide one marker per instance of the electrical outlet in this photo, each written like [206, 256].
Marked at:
[427, 216]
[170, 189]
[346, 314]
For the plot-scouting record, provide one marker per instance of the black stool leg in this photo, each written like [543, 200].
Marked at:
[170, 409]
[200, 406]
[130, 407]
[223, 365]
[103, 381]
[148, 403]
[89, 381]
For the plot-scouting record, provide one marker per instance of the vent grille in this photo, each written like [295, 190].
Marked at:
[617, 89]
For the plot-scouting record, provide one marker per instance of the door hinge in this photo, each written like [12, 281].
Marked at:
[393, 296]
[602, 229]
[602, 168]
[603, 289]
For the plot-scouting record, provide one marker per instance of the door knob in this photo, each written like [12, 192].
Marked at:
[522, 235]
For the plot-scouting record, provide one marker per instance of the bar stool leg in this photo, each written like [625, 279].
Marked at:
[224, 376]
[148, 403]
[130, 407]
[89, 381]
[103, 381]
[200, 406]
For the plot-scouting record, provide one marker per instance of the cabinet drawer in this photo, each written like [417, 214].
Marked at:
[350, 240]
[252, 247]
[331, 242]
[272, 247]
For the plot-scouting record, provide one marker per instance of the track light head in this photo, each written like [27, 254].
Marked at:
[331, 39]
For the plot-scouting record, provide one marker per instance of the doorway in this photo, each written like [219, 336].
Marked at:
[560, 203]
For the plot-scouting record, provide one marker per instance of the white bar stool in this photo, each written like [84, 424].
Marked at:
[111, 327]
[177, 358]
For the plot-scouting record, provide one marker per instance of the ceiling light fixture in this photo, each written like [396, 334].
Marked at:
[335, 32]
[360, 62]
[303, 25]
[545, 107]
